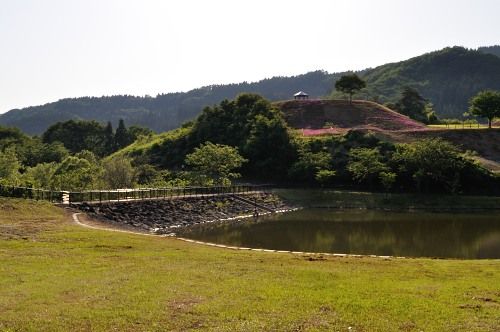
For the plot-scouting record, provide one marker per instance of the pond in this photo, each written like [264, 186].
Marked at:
[361, 231]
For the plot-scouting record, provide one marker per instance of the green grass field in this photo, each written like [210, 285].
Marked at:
[58, 276]
[460, 126]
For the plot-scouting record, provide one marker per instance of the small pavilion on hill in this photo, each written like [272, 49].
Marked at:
[301, 95]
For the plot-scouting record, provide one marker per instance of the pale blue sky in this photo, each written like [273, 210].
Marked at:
[51, 49]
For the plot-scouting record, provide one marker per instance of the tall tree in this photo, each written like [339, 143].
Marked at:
[41, 176]
[255, 127]
[486, 104]
[433, 165]
[366, 164]
[9, 167]
[413, 105]
[119, 173]
[350, 84]
[109, 138]
[122, 136]
[216, 162]
[77, 136]
[74, 173]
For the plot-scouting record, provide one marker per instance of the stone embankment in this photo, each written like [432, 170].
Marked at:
[163, 216]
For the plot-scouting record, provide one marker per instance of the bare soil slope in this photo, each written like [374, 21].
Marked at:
[340, 115]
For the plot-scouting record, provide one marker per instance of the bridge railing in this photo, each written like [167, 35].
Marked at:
[32, 193]
[159, 193]
[124, 194]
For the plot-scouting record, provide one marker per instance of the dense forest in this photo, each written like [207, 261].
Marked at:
[69, 155]
[247, 136]
[495, 50]
[446, 78]
[163, 112]
[276, 153]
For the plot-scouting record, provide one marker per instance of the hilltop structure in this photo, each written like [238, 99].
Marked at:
[301, 95]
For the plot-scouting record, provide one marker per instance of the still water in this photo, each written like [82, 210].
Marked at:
[411, 234]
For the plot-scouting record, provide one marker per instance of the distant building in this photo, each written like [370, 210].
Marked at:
[301, 95]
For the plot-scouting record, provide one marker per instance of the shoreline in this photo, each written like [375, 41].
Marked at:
[167, 216]
[140, 218]
[240, 217]
[76, 220]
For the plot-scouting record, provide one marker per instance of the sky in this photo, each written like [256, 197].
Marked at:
[53, 49]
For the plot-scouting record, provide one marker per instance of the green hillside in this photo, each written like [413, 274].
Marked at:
[448, 78]
[495, 50]
[165, 111]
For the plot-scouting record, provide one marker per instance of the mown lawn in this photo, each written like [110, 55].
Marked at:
[459, 126]
[55, 275]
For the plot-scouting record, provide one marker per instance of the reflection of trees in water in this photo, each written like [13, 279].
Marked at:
[367, 232]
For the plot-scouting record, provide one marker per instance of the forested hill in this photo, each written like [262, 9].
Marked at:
[495, 50]
[165, 111]
[448, 78]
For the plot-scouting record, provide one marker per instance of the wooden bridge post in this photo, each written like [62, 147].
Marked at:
[65, 197]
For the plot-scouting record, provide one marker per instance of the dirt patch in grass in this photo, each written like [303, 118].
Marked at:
[182, 310]
[183, 304]
[313, 258]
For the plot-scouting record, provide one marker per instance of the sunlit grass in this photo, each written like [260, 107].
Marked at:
[459, 126]
[58, 276]
[145, 143]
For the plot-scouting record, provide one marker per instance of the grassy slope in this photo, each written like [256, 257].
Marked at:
[361, 115]
[145, 144]
[448, 78]
[389, 125]
[58, 276]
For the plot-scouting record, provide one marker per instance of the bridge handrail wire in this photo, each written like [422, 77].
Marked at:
[32, 193]
[159, 193]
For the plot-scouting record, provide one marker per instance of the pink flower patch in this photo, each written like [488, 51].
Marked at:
[324, 131]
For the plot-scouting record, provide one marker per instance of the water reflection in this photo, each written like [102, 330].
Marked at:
[364, 232]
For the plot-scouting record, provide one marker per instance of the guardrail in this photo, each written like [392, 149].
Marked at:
[158, 193]
[32, 193]
[117, 195]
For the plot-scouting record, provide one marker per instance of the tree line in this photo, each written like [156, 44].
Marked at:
[162, 112]
[69, 155]
[486, 104]
[274, 152]
[77, 136]
[445, 78]
[246, 137]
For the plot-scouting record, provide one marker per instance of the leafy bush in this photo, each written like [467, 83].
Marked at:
[214, 164]
[433, 165]
[365, 165]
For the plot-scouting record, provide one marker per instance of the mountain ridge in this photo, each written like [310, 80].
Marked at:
[447, 78]
[163, 112]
